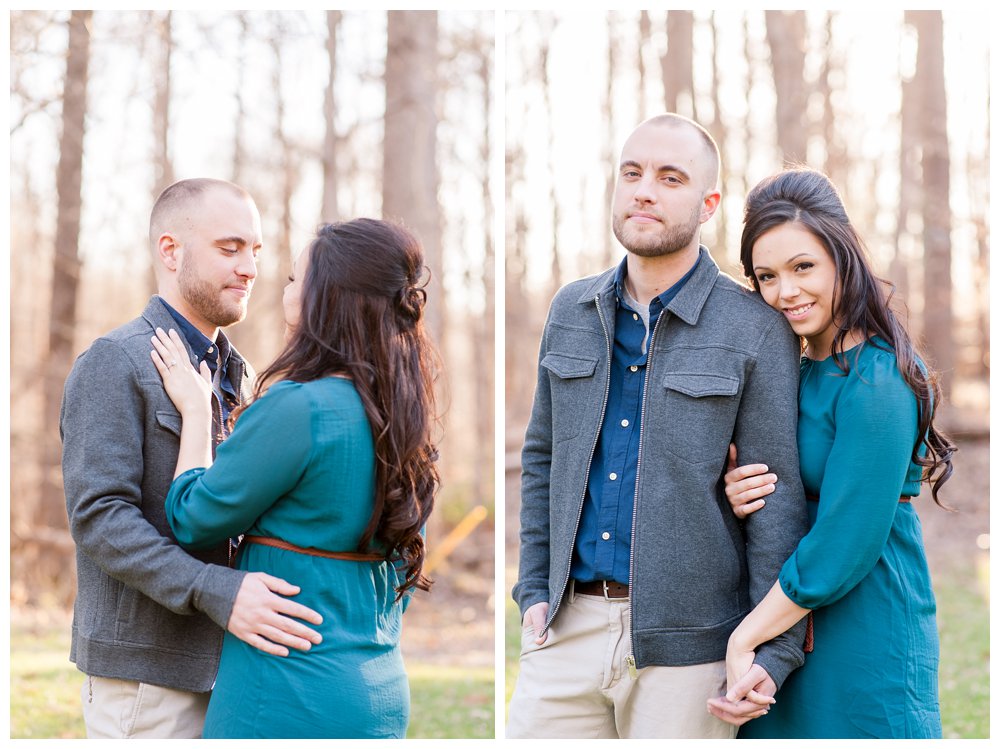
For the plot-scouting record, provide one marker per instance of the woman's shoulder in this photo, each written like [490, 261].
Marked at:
[876, 362]
[874, 380]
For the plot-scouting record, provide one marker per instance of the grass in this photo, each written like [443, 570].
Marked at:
[446, 702]
[964, 675]
[450, 703]
[963, 680]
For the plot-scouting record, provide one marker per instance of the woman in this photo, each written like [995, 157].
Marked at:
[333, 455]
[866, 439]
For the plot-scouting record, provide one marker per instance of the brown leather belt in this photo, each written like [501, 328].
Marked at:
[350, 556]
[605, 588]
[814, 498]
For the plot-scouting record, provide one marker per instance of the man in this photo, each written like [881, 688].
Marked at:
[633, 569]
[149, 617]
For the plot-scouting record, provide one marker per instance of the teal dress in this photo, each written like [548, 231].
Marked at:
[300, 466]
[861, 567]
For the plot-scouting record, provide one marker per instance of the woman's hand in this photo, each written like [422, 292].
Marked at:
[190, 390]
[749, 688]
[747, 485]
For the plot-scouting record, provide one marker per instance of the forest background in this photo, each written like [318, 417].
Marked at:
[325, 115]
[322, 116]
[893, 105]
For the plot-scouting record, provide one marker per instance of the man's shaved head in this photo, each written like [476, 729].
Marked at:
[669, 119]
[174, 205]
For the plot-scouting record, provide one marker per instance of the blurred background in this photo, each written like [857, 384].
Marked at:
[893, 105]
[321, 116]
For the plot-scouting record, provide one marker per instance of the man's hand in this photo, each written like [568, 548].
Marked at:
[749, 698]
[535, 616]
[260, 616]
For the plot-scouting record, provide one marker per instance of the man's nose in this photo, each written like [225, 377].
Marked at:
[644, 191]
[248, 266]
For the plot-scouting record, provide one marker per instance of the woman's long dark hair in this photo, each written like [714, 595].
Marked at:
[362, 308]
[861, 300]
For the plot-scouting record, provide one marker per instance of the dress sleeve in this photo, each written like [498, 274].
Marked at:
[261, 461]
[876, 428]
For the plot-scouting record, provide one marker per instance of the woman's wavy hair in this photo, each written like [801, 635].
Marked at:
[362, 299]
[861, 300]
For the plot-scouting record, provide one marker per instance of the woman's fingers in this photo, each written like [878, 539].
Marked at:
[744, 472]
[735, 487]
[169, 347]
[748, 509]
[746, 496]
[158, 363]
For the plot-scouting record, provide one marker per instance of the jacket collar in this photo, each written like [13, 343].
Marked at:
[158, 316]
[688, 303]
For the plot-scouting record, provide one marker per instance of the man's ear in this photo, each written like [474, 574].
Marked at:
[709, 205]
[167, 251]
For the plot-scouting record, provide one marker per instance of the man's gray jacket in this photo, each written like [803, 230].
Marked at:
[146, 610]
[722, 367]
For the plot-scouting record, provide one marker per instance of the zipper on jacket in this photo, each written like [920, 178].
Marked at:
[586, 477]
[630, 658]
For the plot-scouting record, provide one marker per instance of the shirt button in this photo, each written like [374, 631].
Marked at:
[605, 535]
[624, 422]
[211, 349]
[635, 316]
[613, 476]
[633, 368]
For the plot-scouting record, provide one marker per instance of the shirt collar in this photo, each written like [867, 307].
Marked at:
[658, 302]
[203, 348]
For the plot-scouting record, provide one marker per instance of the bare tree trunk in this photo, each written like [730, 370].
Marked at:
[717, 127]
[239, 149]
[979, 186]
[609, 127]
[66, 263]
[330, 211]
[161, 106]
[518, 355]
[483, 349]
[935, 163]
[678, 64]
[748, 139]
[786, 36]
[555, 273]
[287, 161]
[645, 29]
[162, 165]
[909, 188]
[409, 167]
[836, 157]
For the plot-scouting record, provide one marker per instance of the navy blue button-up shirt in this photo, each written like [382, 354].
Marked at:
[604, 538]
[216, 353]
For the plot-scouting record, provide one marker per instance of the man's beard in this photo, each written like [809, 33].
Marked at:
[667, 241]
[207, 300]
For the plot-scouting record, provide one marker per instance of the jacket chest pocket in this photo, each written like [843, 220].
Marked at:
[574, 391]
[699, 413]
[170, 422]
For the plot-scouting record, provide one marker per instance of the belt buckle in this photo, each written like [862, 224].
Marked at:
[604, 585]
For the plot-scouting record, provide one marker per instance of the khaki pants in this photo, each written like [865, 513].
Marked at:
[118, 709]
[577, 685]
